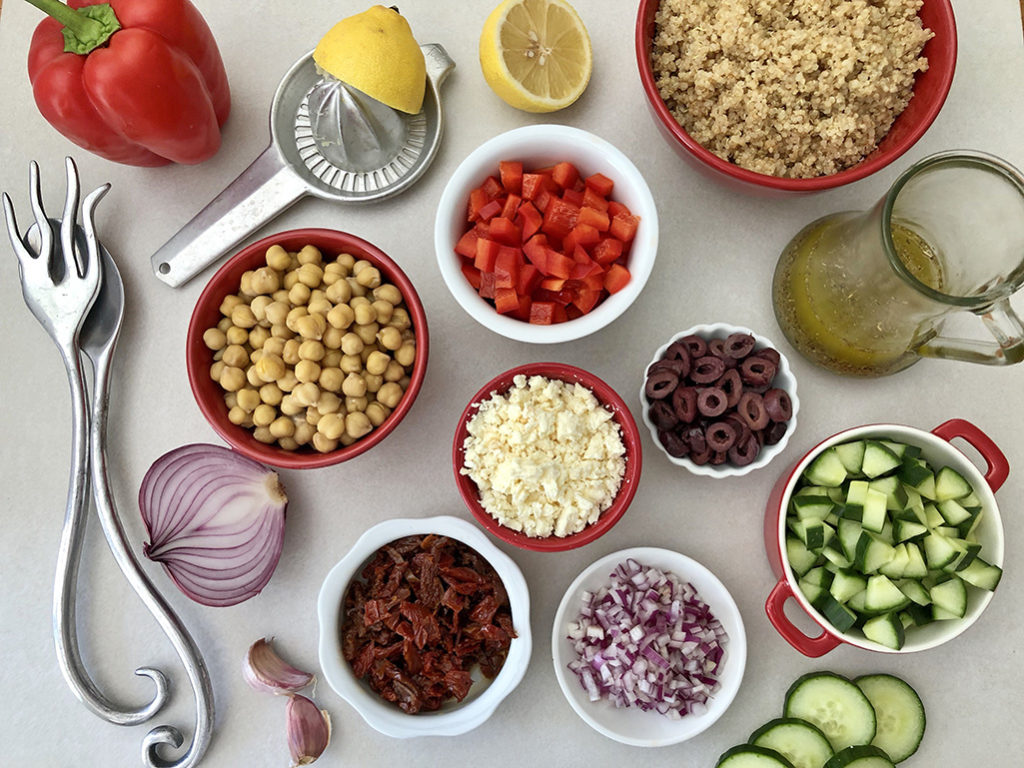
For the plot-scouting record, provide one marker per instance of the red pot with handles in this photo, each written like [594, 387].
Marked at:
[938, 450]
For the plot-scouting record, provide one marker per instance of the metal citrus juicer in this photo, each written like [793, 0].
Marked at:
[328, 140]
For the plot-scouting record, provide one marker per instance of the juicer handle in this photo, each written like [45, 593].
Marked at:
[998, 467]
[264, 189]
[1002, 322]
[809, 646]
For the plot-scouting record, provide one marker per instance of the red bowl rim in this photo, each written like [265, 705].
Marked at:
[226, 278]
[874, 162]
[609, 398]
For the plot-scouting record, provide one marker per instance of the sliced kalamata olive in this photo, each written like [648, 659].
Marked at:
[700, 457]
[731, 384]
[716, 348]
[678, 350]
[775, 432]
[739, 424]
[673, 444]
[720, 436]
[707, 369]
[684, 403]
[743, 453]
[661, 384]
[718, 457]
[769, 354]
[696, 346]
[757, 371]
[711, 401]
[662, 415]
[694, 437]
[751, 408]
[778, 405]
[739, 345]
[680, 367]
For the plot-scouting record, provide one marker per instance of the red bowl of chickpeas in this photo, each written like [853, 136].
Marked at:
[307, 348]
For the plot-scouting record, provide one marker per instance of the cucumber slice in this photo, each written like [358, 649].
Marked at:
[916, 567]
[900, 714]
[812, 506]
[852, 455]
[950, 484]
[908, 530]
[877, 553]
[952, 512]
[750, 756]
[804, 745]
[800, 558]
[846, 583]
[883, 596]
[939, 550]
[874, 517]
[878, 460]
[860, 756]
[981, 574]
[835, 613]
[819, 575]
[916, 474]
[826, 470]
[896, 567]
[886, 630]
[902, 450]
[913, 589]
[833, 704]
[950, 596]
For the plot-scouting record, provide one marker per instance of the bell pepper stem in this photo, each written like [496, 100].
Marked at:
[86, 28]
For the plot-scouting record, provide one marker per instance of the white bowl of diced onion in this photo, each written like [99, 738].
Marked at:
[685, 641]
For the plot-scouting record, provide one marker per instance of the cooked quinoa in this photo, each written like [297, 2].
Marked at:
[796, 88]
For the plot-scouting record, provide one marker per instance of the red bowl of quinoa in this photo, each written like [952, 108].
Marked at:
[930, 89]
[606, 398]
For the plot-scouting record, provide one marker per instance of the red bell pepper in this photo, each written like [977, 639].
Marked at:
[139, 82]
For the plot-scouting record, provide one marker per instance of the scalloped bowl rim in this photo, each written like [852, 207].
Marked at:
[784, 378]
[454, 718]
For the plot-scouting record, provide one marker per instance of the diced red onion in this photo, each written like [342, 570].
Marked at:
[215, 520]
[647, 640]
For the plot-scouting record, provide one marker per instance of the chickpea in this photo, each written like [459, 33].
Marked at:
[405, 355]
[400, 319]
[270, 368]
[304, 432]
[274, 346]
[390, 338]
[404, 383]
[332, 359]
[238, 416]
[307, 371]
[310, 275]
[335, 268]
[328, 403]
[292, 320]
[312, 415]
[290, 406]
[247, 399]
[252, 376]
[259, 306]
[331, 425]
[357, 289]
[356, 404]
[280, 295]
[312, 326]
[278, 258]
[307, 393]
[228, 305]
[332, 337]
[309, 254]
[323, 444]
[263, 415]
[310, 349]
[369, 277]
[223, 324]
[365, 313]
[258, 336]
[368, 333]
[352, 344]
[376, 412]
[341, 317]
[276, 312]
[217, 369]
[214, 339]
[288, 382]
[365, 354]
[232, 379]
[231, 399]
[340, 292]
[373, 382]
[287, 443]
[265, 281]
[282, 332]
[319, 306]
[389, 293]
[354, 385]
[290, 280]
[377, 362]
[245, 285]
[383, 310]
[357, 424]
[264, 435]
[346, 439]
[242, 316]
[394, 372]
[235, 355]
[347, 260]
[236, 335]
[390, 394]
[331, 379]
[282, 426]
[351, 363]
[290, 355]
[271, 394]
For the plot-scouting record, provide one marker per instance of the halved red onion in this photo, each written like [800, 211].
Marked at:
[215, 521]
[647, 640]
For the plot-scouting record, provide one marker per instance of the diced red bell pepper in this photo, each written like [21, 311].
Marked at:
[505, 231]
[505, 300]
[488, 211]
[560, 218]
[624, 226]
[601, 184]
[493, 188]
[574, 197]
[506, 267]
[477, 200]
[561, 314]
[585, 234]
[594, 218]
[542, 312]
[511, 207]
[472, 274]
[586, 299]
[486, 254]
[543, 200]
[582, 270]
[486, 285]
[529, 219]
[534, 184]
[564, 174]
[616, 278]
[523, 313]
[511, 172]
[593, 200]
[529, 279]
[572, 312]
[467, 244]
[615, 208]
[607, 251]
[554, 284]
[594, 282]
[536, 250]
[558, 264]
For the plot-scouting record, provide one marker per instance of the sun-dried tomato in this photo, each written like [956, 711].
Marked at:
[427, 612]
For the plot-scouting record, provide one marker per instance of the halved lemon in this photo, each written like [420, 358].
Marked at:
[535, 54]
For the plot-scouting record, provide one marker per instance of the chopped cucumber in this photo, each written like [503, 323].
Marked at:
[878, 460]
[804, 745]
[826, 470]
[886, 629]
[835, 613]
[950, 484]
[851, 455]
[860, 756]
[846, 583]
[812, 506]
[981, 574]
[900, 714]
[800, 558]
[883, 596]
[914, 590]
[835, 705]
[950, 596]
[952, 512]
[750, 756]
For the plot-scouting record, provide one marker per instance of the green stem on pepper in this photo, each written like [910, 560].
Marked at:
[85, 29]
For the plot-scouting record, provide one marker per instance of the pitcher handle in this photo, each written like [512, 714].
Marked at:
[808, 646]
[998, 467]
[1002, 322]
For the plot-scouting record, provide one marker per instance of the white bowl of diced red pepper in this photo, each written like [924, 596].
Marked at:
[546, 233]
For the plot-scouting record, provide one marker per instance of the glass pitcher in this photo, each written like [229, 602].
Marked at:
[865, 294]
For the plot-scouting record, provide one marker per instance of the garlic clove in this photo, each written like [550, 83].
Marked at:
[264, 670]
[309, 730]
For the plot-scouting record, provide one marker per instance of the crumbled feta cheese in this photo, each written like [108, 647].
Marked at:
[546, 457]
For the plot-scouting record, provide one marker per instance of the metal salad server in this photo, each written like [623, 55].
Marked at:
[373, 153]
[96, 339]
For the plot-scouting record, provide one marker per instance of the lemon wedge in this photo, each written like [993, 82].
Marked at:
[535, 54]
[375, 52]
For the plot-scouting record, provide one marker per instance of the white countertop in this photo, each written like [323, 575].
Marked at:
[718, 250]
